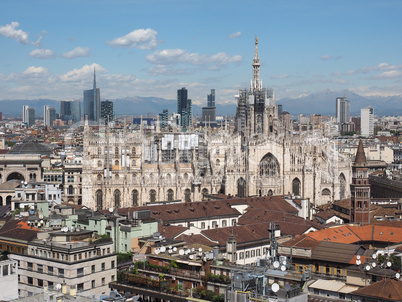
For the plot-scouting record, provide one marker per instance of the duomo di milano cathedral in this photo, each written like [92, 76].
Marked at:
[259, 156]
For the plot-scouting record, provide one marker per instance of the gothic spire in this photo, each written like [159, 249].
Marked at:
[256, 68]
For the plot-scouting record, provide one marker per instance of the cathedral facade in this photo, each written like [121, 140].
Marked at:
[259, 155]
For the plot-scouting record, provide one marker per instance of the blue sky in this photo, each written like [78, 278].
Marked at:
[48, 49]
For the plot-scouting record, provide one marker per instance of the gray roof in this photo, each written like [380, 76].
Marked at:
[336, 252]
[31, 148]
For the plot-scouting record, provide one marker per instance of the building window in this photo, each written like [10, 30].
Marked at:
[93, 283]
[152, 196]
[241, 255]
[40, 282]
[80, 287]
[93, 269]
[233, 222]
[61, 272]
[30, 266]
[103, 281]
[80, 272]
[113, 278]
[113, 264]
[30, 280]
[50, 270]
[224, 223]
[214, 224]
[202, 225]
[247, 254]
[103, 266]
[40, 268]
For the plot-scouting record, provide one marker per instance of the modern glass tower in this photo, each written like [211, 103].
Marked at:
[184, 108]
[70, 111]
[92, 102]
[107, 111]
[49, 115]
[342, 110]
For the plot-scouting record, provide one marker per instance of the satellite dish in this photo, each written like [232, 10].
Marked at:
[358, 257]
[174, 249]
[389, 264]
[373, 264]
[170, 247]
[358, 262]
[284, 262]
[276, 265]
[367, 267]
[275, 287]
[200, 249]
[181, 252]
[58, 286]
[157, 251]
[374, 256]
[193, 249]
[170, 251]
[111, 210]
[188, 251]
[163, 249]
[397, 275]
[283, 268]
[191, 257]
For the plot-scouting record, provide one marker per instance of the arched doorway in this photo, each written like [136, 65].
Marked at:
[170, 195]
[8, 200]
[270, 193]
[99, 201]
[241, 187]
[296, 187]
[15, 175]
[117, 197]
[70, 190]
[135, 198]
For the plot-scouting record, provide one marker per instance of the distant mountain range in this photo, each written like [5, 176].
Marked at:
[322, 102]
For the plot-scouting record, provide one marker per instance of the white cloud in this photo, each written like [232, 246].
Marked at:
[380, 67]
[82, 74]
[281, 76]
[32, 70]
[235, 35]
[42, 53]
[325, 57]
[139, 38]
[77, 52]
[10, 31]
[380, 91]
[392, 74]
[181, 56]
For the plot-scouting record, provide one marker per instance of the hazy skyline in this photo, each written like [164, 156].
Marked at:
[152, 48]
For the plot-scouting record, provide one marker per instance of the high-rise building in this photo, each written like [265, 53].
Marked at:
[280, 109]
[1, 116]
[356, 120]
[342, 110]
[360, 189]
[107, 111]
[209, 112]
[49, 115]
[184, 108]
[164, 118]
[367, 121]
[31, 117]
[92, 102]
[25, 114]
[70, 111]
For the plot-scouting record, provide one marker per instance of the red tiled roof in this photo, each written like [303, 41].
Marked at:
[388, 289]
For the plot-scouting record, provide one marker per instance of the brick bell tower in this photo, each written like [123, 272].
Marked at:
[360, 189]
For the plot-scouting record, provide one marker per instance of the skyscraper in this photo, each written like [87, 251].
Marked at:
[164, 118]
[184, 108]
[31, 116]
[70, 111]
[92, 102]
[342, 110]
[209, 112]
[49, 115]
[367, 121]
[25, 114]
[107, 111]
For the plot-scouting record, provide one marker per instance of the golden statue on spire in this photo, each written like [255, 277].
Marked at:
[256, 39]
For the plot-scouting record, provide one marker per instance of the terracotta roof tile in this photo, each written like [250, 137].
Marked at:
[389, 289]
